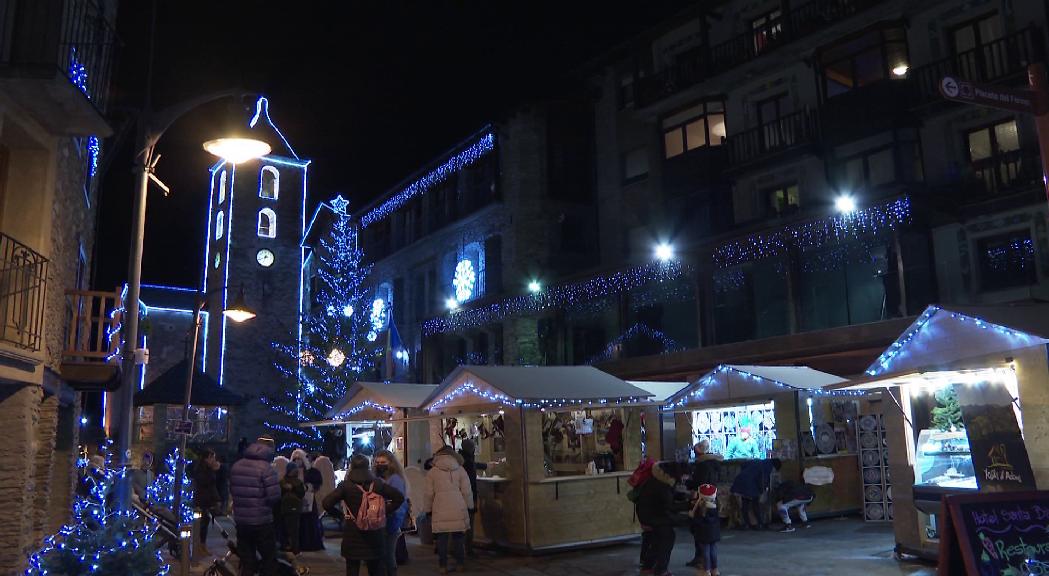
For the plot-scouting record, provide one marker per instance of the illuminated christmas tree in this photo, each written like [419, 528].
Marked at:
[338, 339]
[100, 540]
[161, 493]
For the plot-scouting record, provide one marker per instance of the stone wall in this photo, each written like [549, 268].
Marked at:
[20, 414]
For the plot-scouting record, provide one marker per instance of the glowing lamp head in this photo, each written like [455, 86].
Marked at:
[451, 304]
[237, 150]
[664, 252]
[535, 287]
[845, 204]
[336, 358]
[347, 310]
[900, 70]
[239, 311]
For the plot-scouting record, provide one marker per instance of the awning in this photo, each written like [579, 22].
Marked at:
[374, 401]
[497, 387]
[169, 388]
[729, 383]
[944, 337]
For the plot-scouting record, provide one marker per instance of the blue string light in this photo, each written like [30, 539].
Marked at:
[78, 72]
[884, 361]
[93, 148]
[563, 297]
[1017, 254]
[694, 393]
[366, 405]
[474, 152]
[813, 234]
[615, 347]
[471, 389]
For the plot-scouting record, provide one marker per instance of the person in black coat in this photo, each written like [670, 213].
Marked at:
[705, 469]
[657, 509]
[205, 493]
[359, 546]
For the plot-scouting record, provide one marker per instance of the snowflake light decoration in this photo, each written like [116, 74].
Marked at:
[464, 281]
[378, 316]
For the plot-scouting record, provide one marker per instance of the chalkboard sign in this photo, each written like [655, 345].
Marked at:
[995, 534]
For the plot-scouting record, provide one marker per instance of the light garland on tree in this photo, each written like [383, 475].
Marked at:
[474, 152]
[560, 297]
[101, 539]
[162, 491]
[470, 389]
[812, 234]
[711, 378]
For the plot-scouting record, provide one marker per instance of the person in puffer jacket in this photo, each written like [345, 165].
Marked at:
[255, 490]
[447, 500]
[657, 509]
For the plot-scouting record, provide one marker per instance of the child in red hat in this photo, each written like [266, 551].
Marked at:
[706, 530]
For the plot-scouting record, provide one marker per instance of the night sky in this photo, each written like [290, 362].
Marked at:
[369, 91]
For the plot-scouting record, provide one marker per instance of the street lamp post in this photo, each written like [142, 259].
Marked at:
[238, 312]
[151, 127]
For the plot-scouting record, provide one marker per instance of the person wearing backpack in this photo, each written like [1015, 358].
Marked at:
[447, 501]
[363, 498]
[657, 509]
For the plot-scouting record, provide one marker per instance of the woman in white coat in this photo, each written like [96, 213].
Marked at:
[446, 501]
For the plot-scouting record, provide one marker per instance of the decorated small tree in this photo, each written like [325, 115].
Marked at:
[338, 341]
[161, 493]
[947, 415]
[100, 540]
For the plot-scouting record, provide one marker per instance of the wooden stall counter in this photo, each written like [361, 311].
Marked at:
[842, 496]
[580, 510]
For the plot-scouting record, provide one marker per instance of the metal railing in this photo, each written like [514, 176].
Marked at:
[700, 63]
[94, 322]
[72, 36]
[23, 286]
[781, 134]
[993, 61]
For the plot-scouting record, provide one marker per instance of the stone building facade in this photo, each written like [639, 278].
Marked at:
[51, 130]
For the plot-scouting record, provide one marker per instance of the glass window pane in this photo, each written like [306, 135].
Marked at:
[696, 134]
[839, 77]
[1006, 136]
[964, 39]
[683, 116]
[854, 177]
[881, 168]
[673, 143]
[869, 67]
[990, 29]
[717, 128]
[980, 144]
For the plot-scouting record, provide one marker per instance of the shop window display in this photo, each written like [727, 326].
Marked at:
[572, 440]
[737, 432]
[486, 431]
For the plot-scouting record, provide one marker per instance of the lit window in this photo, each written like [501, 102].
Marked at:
[862, 60]
[697, 126]
[220, 224]
[269, 183]
[267, 223]
[222, 187]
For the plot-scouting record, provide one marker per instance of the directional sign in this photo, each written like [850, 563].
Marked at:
[991, 96]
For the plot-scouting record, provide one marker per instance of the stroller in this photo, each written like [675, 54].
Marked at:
[224, 565]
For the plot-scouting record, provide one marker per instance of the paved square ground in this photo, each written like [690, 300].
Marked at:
[831, 547]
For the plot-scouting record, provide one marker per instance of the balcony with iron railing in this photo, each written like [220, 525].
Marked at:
[999, 60]
[23, 286]
[702, 63]
[56, 58]
[770, 139]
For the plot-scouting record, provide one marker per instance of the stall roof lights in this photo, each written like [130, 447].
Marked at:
[469, 388]
[882, 364]
[366, 405]
[711, 378]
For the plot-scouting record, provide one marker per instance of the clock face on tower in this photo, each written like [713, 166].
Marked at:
[264, 258]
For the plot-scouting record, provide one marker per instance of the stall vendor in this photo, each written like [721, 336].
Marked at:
[744, 446]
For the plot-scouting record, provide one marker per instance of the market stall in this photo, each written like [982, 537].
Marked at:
[560, 442]
[756, 412]
[957, 387]
[376, 415]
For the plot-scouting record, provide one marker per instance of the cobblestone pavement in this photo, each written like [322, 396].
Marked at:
[831, 547]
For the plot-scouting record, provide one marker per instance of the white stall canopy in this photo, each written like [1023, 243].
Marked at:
[730, 383]
[376, 401]
[943, 337]
[660, 390]
[482, 388]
